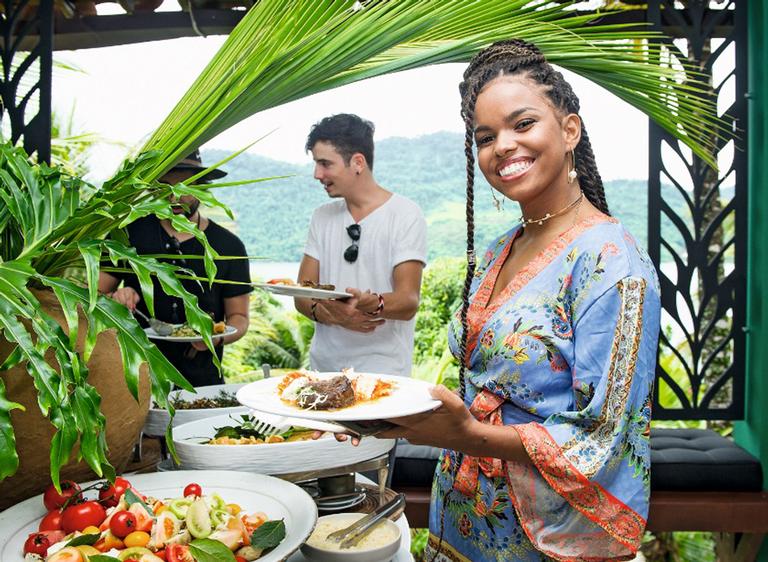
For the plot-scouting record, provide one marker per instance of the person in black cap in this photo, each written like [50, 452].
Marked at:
[224, 302]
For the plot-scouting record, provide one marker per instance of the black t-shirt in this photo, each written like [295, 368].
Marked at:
[147, 236]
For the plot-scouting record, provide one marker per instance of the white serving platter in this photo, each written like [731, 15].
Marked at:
[269, 458]
[253, 492]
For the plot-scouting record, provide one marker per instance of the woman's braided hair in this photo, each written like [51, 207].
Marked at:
[511, 58]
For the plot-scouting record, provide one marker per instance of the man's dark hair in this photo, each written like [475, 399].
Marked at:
[348, 133]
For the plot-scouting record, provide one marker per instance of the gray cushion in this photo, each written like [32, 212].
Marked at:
[681, 460]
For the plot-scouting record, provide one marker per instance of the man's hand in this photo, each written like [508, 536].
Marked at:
[346, 314]
[128, 297]
[366, 301]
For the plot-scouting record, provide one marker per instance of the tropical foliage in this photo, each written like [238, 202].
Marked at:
[282, 50]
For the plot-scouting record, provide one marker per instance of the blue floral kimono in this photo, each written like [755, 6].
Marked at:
[566, 355]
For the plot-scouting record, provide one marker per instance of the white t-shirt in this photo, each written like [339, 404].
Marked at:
[392, 234]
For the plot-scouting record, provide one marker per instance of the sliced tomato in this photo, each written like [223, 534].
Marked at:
[143, 518]
[66, 554]
[178, 553]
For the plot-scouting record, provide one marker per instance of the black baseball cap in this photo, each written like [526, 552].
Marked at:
[195, 163]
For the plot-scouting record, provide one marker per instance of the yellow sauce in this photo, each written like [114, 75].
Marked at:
[382, 534]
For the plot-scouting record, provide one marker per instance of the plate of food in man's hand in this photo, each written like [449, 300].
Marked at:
[306, 289]
[186, 333]
[339, 396]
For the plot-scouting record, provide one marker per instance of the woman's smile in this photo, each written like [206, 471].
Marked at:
[514, 168]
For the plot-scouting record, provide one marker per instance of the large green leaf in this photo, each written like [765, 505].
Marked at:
[283, 50]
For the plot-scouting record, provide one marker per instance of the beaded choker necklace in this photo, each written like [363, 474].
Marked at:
[525, 222]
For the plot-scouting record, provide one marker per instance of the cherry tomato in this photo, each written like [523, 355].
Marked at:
[144, 519]
[240, 559]
[51, 522]
[122, 523]
[111, 495]
[193, 490]
[178, 553]
[37, 543]
[79, 516]
[54, 500]
[160, 554]
[137, 538]
[107, 542]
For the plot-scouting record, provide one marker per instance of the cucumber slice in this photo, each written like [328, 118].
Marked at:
[198, 519]
[134, 552]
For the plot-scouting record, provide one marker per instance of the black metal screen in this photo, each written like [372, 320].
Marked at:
[25, 88]
[697, 223]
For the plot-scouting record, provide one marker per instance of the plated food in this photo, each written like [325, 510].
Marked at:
[256, 495]
[249, 431]
[306, 289]
[118, 521]
[382, 397]
[185, 333]
[209, 401]
[196, 451]
[312, 391]
[224, 399]
[304, 283]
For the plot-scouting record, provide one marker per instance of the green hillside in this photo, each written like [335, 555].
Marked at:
[273, 217]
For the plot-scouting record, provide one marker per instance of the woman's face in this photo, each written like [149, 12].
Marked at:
[522, 143]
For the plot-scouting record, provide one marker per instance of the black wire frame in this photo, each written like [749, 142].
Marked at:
[697, 224]
[25, 84]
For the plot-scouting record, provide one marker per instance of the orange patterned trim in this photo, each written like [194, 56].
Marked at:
[590, 499]
[481, 309]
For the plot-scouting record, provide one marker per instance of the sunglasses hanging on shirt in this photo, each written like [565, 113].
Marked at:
[350, 254]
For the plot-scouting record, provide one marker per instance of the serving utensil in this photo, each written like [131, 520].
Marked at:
[350, 536]
[161, 328]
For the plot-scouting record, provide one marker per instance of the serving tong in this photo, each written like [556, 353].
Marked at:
[350, 536]
[161, 328]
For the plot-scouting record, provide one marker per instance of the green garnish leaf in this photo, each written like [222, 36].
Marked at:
[102, 558]
[208, 550]
[131, 498]
[89, 539]
[269, 535]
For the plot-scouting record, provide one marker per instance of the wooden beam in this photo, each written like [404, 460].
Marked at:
[729, 512]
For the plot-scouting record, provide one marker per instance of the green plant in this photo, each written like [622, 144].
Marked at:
[281, 51]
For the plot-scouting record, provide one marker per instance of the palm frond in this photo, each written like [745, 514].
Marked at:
[285, 50]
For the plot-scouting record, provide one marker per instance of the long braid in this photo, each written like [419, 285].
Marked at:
[468, 114]
[589, 177]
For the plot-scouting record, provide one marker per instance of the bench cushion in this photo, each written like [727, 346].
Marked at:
[701, 460]
[681, 460]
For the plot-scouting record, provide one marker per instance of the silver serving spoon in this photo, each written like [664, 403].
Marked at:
[161, 328]
[353, 534]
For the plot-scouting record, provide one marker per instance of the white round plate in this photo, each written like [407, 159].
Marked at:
[299, 291]
[410, 397]
[158, 418]
[151, 334]
[269, 458]
[253, 492]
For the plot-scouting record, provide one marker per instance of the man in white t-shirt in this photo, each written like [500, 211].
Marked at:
[369, 242]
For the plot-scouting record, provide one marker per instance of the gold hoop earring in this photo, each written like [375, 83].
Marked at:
[572, 174]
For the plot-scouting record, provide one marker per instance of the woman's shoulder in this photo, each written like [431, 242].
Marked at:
[609, 251]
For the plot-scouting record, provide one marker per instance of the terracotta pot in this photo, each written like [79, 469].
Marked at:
[125, 417]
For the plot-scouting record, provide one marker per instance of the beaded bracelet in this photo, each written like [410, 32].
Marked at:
[380, 308]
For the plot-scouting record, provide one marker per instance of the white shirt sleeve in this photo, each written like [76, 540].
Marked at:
[411, 242]
[312, 247]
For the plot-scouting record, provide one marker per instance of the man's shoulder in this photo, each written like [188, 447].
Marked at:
[215, 230]
[403, 207]
[331, 208]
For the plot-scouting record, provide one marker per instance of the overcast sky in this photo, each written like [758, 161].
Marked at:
[124, 92]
